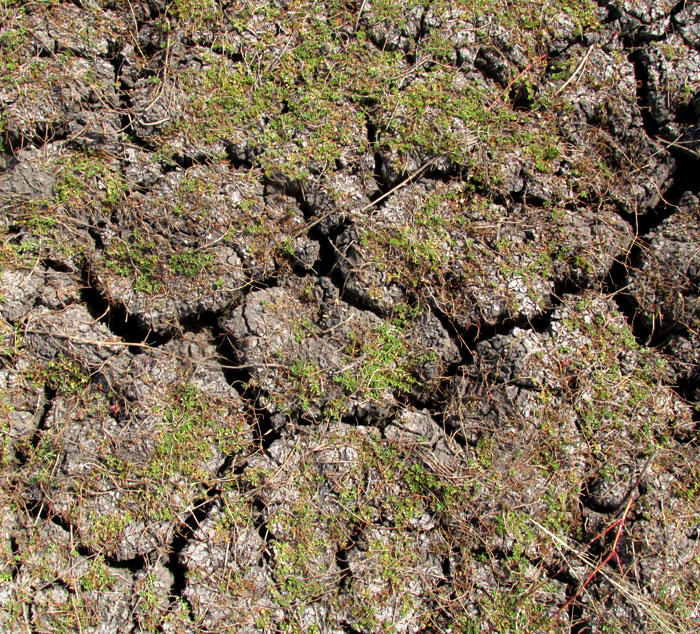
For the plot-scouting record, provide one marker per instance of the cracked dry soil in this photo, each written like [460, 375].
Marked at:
[349, 317]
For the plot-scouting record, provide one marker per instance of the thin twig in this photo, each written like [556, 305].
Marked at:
[510, 85]
[580, 66]
[403, 183]
[93, 342]
[359, 15]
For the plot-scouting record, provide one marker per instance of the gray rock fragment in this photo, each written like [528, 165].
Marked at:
[20, 291]
[26, 181]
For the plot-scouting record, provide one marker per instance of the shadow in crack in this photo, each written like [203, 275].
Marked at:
[116, 317]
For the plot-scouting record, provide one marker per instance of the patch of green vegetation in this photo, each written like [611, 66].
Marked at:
[84, 181]
[3, 128]
[439, 495]
[618, 381]
[415, 250]
[297, 573]
[515, 525]
[86, 178]
[65, 375]
[194, 197]
[514, 611]
[43, 236]
[395, 558]
[381, 362]
[306, 377]
[236, 514]
[107, 529]
[193, 430]
[12, 41]
[149, 602]
[286, 248]
[539, 142]
[44, 457]
[421, 489]
[305, 106]
[190, 263]
[544, 155]
[137, 259]
[196, 14]
[310, 123]
[6, 410]
[66, 616]
[378, 358]
[97, 576]
[438, 116]
[690, 487]
[560, 503]
[533, 18]
[37, 218]
[364, 613]
[257, 476]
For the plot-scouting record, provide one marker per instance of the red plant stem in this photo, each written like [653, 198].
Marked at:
[613, 553]
[631, 496]
[588, 545]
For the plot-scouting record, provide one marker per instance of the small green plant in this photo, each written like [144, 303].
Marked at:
[439, 494]
[306, 377]
[108, 529]
[181, 445]
[190, 263]
[65, 375]
[85, 178]
[382, 362]
[287, 247]
[97, 576]
[136, 259]
[364, 614]
[194, 428]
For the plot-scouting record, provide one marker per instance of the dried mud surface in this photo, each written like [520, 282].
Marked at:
[349, 317]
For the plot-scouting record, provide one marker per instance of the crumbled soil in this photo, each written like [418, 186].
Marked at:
[349, 317]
